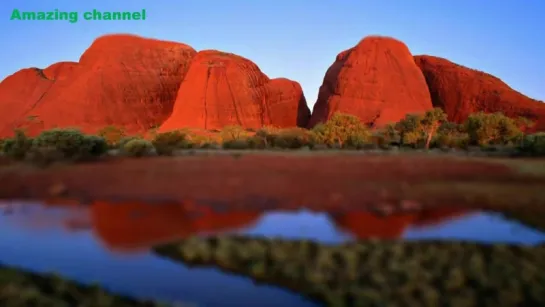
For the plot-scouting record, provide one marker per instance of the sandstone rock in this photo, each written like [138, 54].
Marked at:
[59, 71]
[460, 91]
[120, 80]
[18, 94]
[366, 225]
[223, 89]
[377, 80]
[129, 225]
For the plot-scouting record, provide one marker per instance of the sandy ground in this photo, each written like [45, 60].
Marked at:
[321, 181]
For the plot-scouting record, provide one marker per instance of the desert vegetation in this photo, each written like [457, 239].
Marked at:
[481, 132]
[375, 273]
[19, 288]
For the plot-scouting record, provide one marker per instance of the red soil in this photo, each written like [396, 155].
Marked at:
[321, 182]
[461, 91]
[223, 89]
[377, 80]
[120, 80]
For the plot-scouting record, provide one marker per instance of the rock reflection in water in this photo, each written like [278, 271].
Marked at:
[49, 239]
[366, 225]
[77, 241]
[133, 226]
[130, 226]
[126, 226]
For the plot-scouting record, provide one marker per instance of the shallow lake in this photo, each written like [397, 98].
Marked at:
[109, 244]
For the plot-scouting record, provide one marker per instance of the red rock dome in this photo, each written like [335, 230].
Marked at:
[461, 91]
[120, 80]
[377, 80]
[223, 89]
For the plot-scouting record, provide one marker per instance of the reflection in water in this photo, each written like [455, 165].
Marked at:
[123, 226]
[77, 241]
[132, 226]
[79, 255]
[479, 227]
[365, 225]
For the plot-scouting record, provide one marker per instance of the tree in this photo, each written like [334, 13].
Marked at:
[342, 129]
[416, 129]
[410, 130]
[431, 122]
[451, 135]
[231, 133]
[534, 143]
[491, 128]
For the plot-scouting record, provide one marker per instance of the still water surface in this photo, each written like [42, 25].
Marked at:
[109, 244]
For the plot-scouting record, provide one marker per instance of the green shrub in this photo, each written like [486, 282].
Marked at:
[198, 140]
[236, 144]
[430, 123]
[410, 130]
[257, 142]
[210, 145]
[492, 129]
[18, 146]
[138, 148]
[358, 141]
[534, 144]
[70, 142]
[292, 138]
[230, 133]
[267, 135]
[443, 140]
[341, 129]
[414, 139]
[55, 144]
[389, 134]
[462, 142]
[165, 143]
[420, 130]
[381, 140]
[125, 140]
[450, 135]
[95, 145]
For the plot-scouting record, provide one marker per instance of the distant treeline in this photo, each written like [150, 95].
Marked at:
[484, 131]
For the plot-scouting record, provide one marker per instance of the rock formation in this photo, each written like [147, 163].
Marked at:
[461, 91]
[377, 80]
[128, 226]
[120, 80]
[223, 89]
[365, 225]
[138, 84]
[18, 94]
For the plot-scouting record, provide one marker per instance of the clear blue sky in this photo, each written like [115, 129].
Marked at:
[299, 39]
